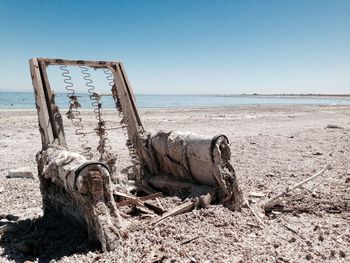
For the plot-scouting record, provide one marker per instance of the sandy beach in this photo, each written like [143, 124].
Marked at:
[272, 147]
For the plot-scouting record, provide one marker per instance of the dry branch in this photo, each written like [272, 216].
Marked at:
[130, 200]
[183, 208]
[189, 240]
[272, 201]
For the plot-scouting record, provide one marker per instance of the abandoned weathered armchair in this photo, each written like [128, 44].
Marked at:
[185, 164]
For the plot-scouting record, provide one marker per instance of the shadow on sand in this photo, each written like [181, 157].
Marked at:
[44, 238]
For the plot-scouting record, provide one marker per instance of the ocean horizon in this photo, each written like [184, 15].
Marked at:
[26, 100]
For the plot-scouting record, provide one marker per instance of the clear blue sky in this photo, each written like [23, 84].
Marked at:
[186, 46]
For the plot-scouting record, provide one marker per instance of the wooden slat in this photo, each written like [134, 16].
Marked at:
[56, 124]
[48, 106]
[129, 109]
[131, 93]
[131, 200]
[69, 62]
[40, 100]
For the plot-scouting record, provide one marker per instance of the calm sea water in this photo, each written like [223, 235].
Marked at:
[25, 100]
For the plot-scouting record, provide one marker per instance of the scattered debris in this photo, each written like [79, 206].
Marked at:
[23, 172]
[189, 240]
[290, 228]
[132, 200]
[183, 208]
[275, 199]
[333, 126]
[257, 194]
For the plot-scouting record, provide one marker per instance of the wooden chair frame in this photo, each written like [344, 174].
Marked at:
[51, 128]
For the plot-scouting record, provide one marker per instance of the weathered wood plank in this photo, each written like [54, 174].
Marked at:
[134, 125]
[47, 136]
[69, 62]
[54, 114]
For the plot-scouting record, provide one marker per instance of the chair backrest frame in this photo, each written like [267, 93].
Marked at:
[50, 123]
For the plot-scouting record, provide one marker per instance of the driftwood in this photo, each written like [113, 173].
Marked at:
[141, 201]
[23, 172]
[189, 240]
[132, 200]
[273, 200]
[183, 208]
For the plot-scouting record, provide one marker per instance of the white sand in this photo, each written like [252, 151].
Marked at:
[272, 147]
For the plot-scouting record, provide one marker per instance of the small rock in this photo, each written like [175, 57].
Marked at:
[317, 153]
[333, 126]
[347, 180]
[308, 257]
[1, 189]
[342, 254]
[23, 172]
[292, 240]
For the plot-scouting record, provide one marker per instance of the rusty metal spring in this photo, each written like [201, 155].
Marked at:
[103, 147]
[104, 143]
[110, 79]
[73, 112]
[67, 79]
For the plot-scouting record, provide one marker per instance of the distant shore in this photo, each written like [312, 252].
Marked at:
[347, 96]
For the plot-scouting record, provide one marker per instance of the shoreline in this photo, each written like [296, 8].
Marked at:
[24, 101]
[186, 108]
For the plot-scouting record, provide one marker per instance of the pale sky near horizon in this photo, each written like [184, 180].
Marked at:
[172, 47]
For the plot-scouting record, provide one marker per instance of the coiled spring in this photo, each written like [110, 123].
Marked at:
[103, 146]
[73, 112]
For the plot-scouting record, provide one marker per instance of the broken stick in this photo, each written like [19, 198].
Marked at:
[183, 208]
[272, 201]
[132, 200]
